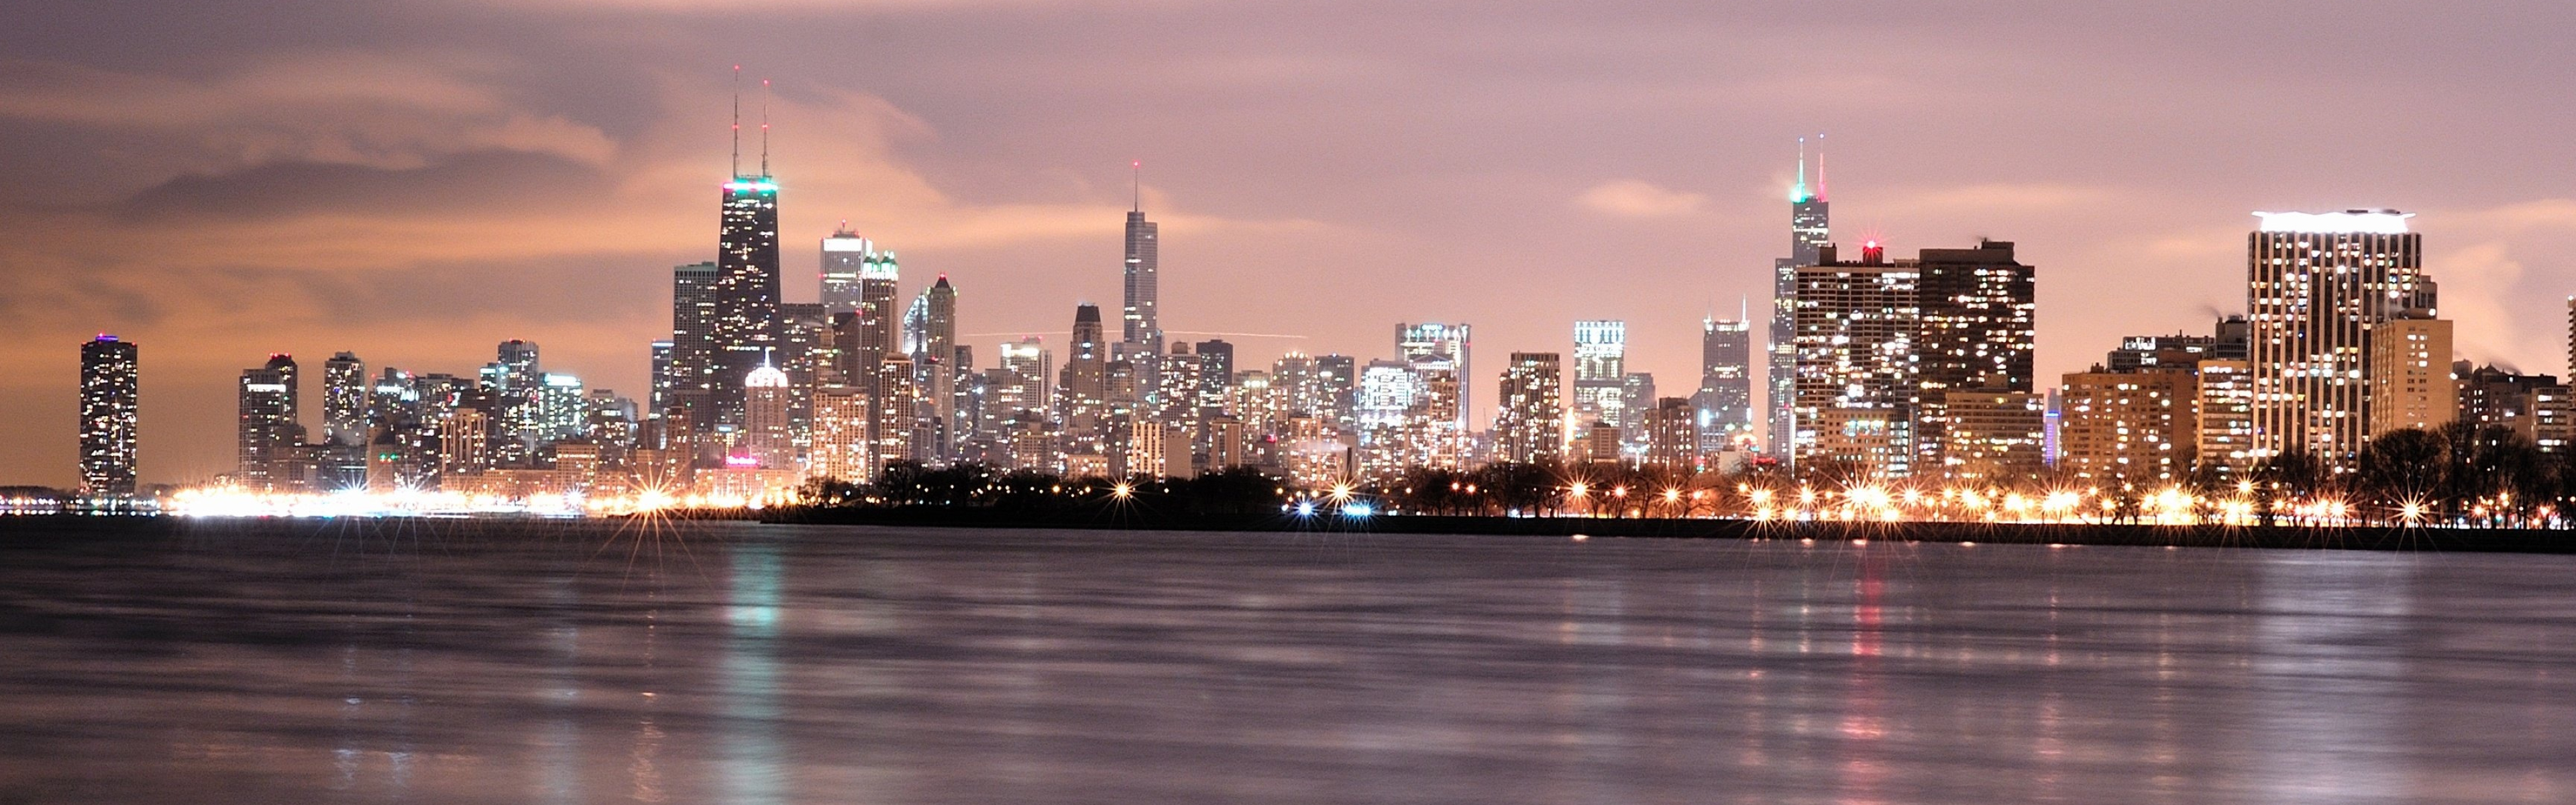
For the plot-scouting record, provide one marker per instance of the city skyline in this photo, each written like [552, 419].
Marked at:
[1664, 241]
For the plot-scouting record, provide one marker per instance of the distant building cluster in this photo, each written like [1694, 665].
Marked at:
[1879, 366]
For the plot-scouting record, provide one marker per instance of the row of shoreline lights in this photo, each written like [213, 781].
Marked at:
[2169, 506]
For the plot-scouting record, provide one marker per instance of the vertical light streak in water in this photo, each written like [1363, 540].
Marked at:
[754, 771]
[1864, 770]
[1593, 618]
[2327, 660]
[559, 757]
[641, 766]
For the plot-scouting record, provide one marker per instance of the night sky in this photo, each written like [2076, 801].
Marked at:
[416, 181]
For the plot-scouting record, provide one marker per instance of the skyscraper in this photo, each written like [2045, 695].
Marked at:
[1432, 345]
[746, 289]
[111, 382]
[938, 366]
[879, 319]
[1082, 392]
[1808, 232]
[1855, 325]
[268, 432]
[1143, 333]
[344, 399]
[1600, 372]
[693, 361]
[1723, 407]
[1530, 423]
[1974, 333]
[848, 260]
[658, 400]
[2318, 283]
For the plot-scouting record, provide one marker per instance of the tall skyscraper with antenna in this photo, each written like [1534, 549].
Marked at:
[746, 285]
[1142, 339]
[1808, 226]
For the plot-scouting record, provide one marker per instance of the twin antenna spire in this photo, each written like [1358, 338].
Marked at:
[1136, 176]
[737, 123]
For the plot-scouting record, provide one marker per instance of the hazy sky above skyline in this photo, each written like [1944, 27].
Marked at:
[417, 181]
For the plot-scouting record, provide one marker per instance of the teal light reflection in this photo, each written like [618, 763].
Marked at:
[754, 763]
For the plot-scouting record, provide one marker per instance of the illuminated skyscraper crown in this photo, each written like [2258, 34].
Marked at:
[2348, 222]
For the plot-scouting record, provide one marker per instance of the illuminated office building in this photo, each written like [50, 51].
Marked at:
[687, 385]
[2318, 285]
[1723, 406]
[745, 329]
[1600, 372]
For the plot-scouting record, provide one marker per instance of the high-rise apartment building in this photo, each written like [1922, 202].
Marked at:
[111, 384]
[1856, 364]
[1808, 233]
[1027, 369]
[1337, 387]
[898, 412]
[2226, 409]
[745, 329]
[344, 399]
[2410, 375]
[658, 400]
[1600, 372]
[1723, 405]
[268, 430]
[877, 334]
[2135, 428]
[2318, 285]
[1993, 436]
[1433, 345]
[839, 445]
[1974, 332]
[1530, 425]
[1672, 435]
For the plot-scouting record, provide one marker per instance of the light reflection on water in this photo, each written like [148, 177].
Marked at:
[792, 665]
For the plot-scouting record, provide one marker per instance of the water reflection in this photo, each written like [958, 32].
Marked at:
[754, 768]
[2329, 666]
[813, 665]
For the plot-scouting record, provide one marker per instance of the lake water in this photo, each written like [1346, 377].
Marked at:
[739, 663]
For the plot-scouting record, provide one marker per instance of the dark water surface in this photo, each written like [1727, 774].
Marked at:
[756, 664]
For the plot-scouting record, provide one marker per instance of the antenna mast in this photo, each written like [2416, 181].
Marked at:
[764, 132]
[737, 120]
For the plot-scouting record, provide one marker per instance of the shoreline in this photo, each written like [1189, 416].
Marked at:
[2359, 538]
[25, 528]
